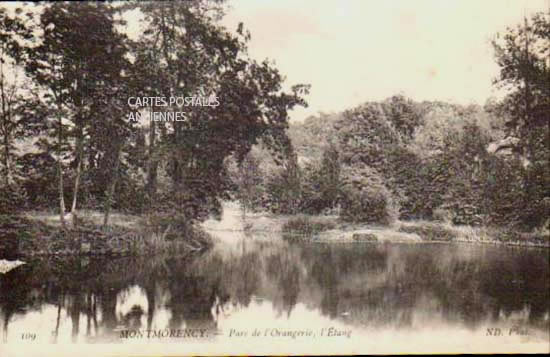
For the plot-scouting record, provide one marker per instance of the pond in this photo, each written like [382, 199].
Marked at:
[362, 297]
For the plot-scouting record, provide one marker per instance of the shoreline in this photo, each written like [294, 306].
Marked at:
[458, 241]
[332, 231]
[39, 234]
[32, 234]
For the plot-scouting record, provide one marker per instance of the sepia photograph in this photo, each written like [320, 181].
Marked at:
[274, 177]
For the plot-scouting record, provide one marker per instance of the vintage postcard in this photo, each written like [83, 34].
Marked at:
[245, 177]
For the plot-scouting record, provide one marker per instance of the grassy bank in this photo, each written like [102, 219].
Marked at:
[40, 233]
[331, 230]
[430, 231]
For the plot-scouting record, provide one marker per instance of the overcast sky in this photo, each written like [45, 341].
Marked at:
[352, 51]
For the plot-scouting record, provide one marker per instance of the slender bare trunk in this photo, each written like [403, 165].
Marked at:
[61, 198]
[6, 121]
[80, 150]
[152, 165]
[60, 172]
[111, 188]
[177, 163]
[7, 161]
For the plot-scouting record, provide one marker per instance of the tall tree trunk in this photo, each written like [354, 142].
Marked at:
[7, 161]
[153, 164]
[60, 173]
[177, 161]
[79, 153]
[111, 188]
[6, 121]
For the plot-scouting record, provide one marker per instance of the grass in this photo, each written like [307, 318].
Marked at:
[305, 228]
[430, 231]
[40, 233]
[91, 217]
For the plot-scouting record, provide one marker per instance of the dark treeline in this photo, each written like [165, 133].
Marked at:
[67, 71]
[400, 159]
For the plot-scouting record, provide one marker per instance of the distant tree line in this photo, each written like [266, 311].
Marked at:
[431, 160]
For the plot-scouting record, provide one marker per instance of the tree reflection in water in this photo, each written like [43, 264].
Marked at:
[373, 286]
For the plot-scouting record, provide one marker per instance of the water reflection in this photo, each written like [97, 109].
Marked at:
[397, 287]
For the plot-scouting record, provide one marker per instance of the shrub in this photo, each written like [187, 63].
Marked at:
[503, 192]
[304, 228]
[442, 215]
[284, 187]
[431, 232]
[12, 199]
[365, 198]
[161, 230]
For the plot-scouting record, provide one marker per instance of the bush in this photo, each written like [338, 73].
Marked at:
[365, 199]
[12, 199]
[284, 188]
[41, 180]
[503, 192]
[367, 205]
[431, 232]
[304, 228]
[444, 215]
[162, 229]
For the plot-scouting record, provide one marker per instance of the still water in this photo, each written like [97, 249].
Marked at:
[377, 295]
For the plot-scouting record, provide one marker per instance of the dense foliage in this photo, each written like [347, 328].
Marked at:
[432, 160]
[457, 164]
[78, 147]
[67, 70]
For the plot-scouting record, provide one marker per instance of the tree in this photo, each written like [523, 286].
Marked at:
[525, 72]
[330, 173]
[365, 198]
[249, 182]
[321, 182]
[8, 116]
[83, 71]
[524, 60]
[285, 186]
[79, 65]
[191, 54]
[12, 32]
[403, 114]
[364, 134]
